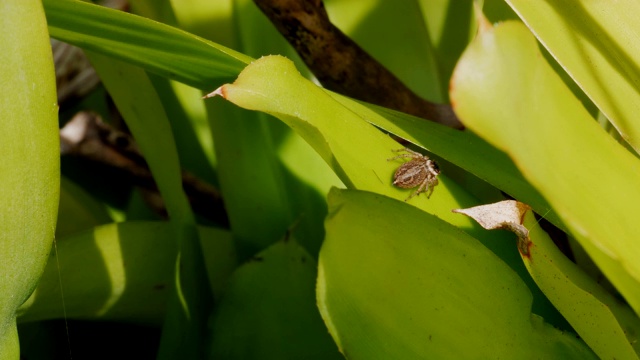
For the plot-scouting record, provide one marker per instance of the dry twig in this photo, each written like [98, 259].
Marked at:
[88, 137]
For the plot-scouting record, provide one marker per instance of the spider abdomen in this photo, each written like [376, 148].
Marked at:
[410, 174]
[420, 172]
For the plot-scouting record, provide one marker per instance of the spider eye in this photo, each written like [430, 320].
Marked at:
[436, 168]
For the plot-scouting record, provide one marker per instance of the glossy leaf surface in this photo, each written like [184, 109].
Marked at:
[579, 169]
[450, 297]
[270, 303]
[29, 160]
[596, 43]
[121, 279]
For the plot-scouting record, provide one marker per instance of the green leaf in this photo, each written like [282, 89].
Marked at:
[268, 310]
[30, 160]
[137, 100]
[270, 179]
[505, 91]
[377, 25]
[78, 211]
[356, 151]
[186, 112]
[449, 25]
[596, 43]
[251, 179]
[121, 279]
[159, 48]
[608, 326]
[398, 283]
[462, 148]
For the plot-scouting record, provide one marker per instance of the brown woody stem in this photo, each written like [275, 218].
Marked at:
[88, 137]
[343, 66]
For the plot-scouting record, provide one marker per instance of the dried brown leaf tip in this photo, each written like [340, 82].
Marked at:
[419, 171]
[508, 214]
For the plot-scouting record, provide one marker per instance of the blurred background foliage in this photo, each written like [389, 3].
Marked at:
[199, 228]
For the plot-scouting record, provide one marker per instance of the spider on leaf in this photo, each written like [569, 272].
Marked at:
[419, 171]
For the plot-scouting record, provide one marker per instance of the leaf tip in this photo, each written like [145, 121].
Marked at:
[219, 91]
[483, 23]
[508, 214]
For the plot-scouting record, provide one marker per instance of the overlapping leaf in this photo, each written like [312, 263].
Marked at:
[580, 170]
[121, 279]
[395, 282]
[596, 43]
[608, 326]
[30, 160]
[157, 47]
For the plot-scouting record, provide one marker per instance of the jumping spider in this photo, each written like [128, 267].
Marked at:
[419, 171]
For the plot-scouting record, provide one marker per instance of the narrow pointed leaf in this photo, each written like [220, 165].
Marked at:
[140, 105]
[157, 47]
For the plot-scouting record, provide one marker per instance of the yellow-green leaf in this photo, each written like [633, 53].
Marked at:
[596, 42]
[29, 159]
[398, 283]
[505, 91]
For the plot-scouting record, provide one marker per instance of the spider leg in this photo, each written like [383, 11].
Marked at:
[409, 151]
[403, 156]
[411, 154]
[420, 189]
[432, 184]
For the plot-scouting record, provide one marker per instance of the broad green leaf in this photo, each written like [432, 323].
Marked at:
[136, 99]
[501, 175]
[505, 91]
[159, 48]
[499, 10]
[398, 283]
[608, 326]
[471, 153]
[110, 273]
[269, 311]
[356, 151]
[29, 160]
[506, 179]
[596, 43]
[462, 148]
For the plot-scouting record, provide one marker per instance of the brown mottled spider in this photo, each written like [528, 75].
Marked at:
[419, 171]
